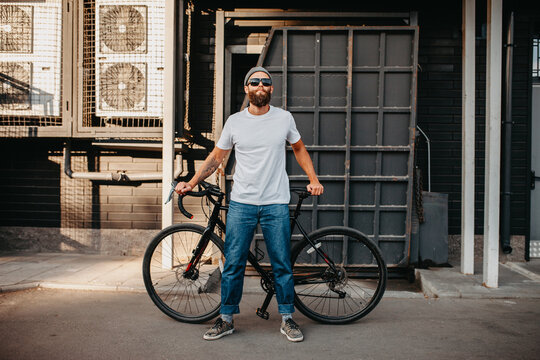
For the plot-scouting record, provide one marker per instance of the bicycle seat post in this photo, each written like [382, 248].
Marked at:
[301, 198]
[215, 212]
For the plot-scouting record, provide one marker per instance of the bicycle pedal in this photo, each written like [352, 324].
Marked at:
[263, 314]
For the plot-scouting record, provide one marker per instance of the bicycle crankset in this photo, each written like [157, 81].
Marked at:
[267, 285]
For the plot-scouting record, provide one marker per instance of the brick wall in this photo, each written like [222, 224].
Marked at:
[439, 114]
[30, 184]
[36, 192]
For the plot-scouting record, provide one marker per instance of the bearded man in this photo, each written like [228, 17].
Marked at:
[260, 195]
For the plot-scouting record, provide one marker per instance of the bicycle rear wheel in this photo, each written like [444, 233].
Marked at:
[343, 296]
[195, 298]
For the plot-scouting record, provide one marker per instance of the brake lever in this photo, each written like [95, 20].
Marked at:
[173, 186]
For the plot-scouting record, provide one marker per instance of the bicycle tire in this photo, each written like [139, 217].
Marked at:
[363, 281]
[187, 300]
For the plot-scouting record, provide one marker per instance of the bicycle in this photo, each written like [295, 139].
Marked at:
[339, 274]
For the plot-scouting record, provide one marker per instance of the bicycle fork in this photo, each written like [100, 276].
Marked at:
[191, 271]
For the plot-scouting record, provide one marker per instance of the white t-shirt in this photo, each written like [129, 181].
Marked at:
[260, 177]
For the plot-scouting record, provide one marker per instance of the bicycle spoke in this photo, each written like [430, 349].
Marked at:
[346, 291]
[193, 296]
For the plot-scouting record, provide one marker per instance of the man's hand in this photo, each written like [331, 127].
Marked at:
[315, 188]
[182, 188]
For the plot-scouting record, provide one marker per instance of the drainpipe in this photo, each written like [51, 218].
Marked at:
[507, 149]
[121, 176]
[428, 156]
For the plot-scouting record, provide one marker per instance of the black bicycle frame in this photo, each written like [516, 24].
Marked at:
[267, 279]
[214, 220]
[294, 223]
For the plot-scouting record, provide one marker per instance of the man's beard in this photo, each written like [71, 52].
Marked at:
[259, 100]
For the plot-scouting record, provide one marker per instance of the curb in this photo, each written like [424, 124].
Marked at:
[470, 291]
[18, 287]
[249, 289]
[520, 270]
[91, 287]
[430, 290]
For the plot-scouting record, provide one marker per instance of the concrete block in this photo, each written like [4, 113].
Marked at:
[147, 208]
[147, 224]
[116, 224]
[116, 159]
[18, 287]
[139, 167]
[116, 190]
[147, 192]
[116, 207]
[132, 216]
[132, 200]
[146, 160]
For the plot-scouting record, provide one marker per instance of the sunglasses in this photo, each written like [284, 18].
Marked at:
[255, 81]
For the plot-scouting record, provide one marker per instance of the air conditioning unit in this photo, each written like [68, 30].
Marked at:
[129, 58]
[30, 58]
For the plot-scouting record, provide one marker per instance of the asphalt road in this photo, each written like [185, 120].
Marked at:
[58, 324]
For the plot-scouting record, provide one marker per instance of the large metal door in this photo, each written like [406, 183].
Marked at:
[352, 92]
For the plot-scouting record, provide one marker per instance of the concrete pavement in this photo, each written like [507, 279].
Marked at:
[518, 280]
[66, 324]
[20, 271]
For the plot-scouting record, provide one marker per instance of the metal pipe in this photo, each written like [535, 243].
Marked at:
[428, 156]
[116, 176]
[507, 147]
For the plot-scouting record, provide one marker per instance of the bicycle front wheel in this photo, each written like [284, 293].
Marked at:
[192, 298]
[351, 289]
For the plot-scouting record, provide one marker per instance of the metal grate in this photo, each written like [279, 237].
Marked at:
[536, 59]
[352, 92]
[123, 60]
[31, 63]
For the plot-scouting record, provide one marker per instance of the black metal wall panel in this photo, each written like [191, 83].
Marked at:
[352, 92]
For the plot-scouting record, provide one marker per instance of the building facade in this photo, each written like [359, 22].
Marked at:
[92, 93]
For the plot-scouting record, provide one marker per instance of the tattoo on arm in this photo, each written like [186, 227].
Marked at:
[208, 168]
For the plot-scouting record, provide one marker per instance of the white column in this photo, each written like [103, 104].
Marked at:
[219, 62]
[168, 127]
[493, 143]
[467, 142]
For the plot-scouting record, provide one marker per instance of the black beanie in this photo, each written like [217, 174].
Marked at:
[254, 70]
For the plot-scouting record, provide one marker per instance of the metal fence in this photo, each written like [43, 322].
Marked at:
[96, 63]
[122, 52]
[31, 63]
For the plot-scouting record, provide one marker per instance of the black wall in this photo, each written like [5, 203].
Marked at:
[30, 183]
[439, 98]
[439, 112]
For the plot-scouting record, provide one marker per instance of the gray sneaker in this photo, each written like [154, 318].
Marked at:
[291, 330]
[219, 330]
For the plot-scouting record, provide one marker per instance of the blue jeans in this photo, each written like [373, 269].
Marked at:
[242, 220]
